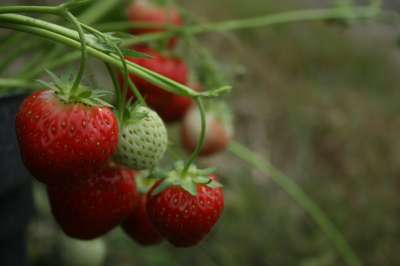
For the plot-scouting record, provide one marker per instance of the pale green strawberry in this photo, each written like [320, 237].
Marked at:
[143, 139]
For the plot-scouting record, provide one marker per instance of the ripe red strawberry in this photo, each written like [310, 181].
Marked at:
[169, 106]
[219, 129]
[139, 227]
[141, 11]
[96, 204]
[186, 210]
[61, 142]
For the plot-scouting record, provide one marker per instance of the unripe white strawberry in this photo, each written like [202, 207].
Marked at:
[143, 139]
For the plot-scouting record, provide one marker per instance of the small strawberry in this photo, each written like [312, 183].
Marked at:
[184, 209]
[143, 139]
[96, 204]
[141, 11]
[82, 253]
[63, 137]
[219, 129]
[138, 225]
[169, 106]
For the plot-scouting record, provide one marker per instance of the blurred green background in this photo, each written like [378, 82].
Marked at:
[321, 101]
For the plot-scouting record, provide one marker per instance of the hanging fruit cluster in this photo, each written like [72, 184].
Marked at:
[100, 163]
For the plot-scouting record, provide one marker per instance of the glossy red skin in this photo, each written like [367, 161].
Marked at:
[184, 220]
[170, 107]
[140, 12]
[217, 140]
[60, 142]
[96, 205]
[139, 227]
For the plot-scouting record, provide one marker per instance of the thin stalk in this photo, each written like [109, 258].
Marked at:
[127, 81]
[91, 15]
[8, 83]
[118, 95]
[136, 92]
[263, 21]
[150, 76]
[30, 9]
[83, 61]
[201, 140]
[298, 195]
[280, 18]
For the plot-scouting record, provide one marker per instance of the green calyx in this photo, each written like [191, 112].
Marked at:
[133, 114]
[146, 179]
[189, 181]
[62, 87]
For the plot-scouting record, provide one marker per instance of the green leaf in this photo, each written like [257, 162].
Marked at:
[158, 174]
[48, 85]
[85, 94]
[202, 180]
[54, 77]
[163, 186]
[99, 44]
[68, 75]
[135, 54]
[114, 37]
[214, 184]
[189, 186]
[119, 35]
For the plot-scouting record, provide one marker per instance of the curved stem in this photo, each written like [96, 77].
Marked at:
[201, 140]
[294, 191]
[116, 89]
[127, 82]
[82, 38]
[136, 92]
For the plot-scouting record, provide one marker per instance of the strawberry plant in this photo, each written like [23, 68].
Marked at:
[71, 134]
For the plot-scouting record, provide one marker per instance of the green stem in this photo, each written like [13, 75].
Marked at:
[273, 19]
[201, 140]
[294, 191]
[82, 38]
[136, 92]
[91, 15]
[280, 18]
[31, 9]
[70, 37]
[127, 81]
[8, 83]
[118, 95]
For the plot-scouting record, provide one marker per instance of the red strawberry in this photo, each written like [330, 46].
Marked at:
[142, 11]
[169, 106]
[186, 210]
[61, 142]
[139, 227]
[219, 129]
[96, 204]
